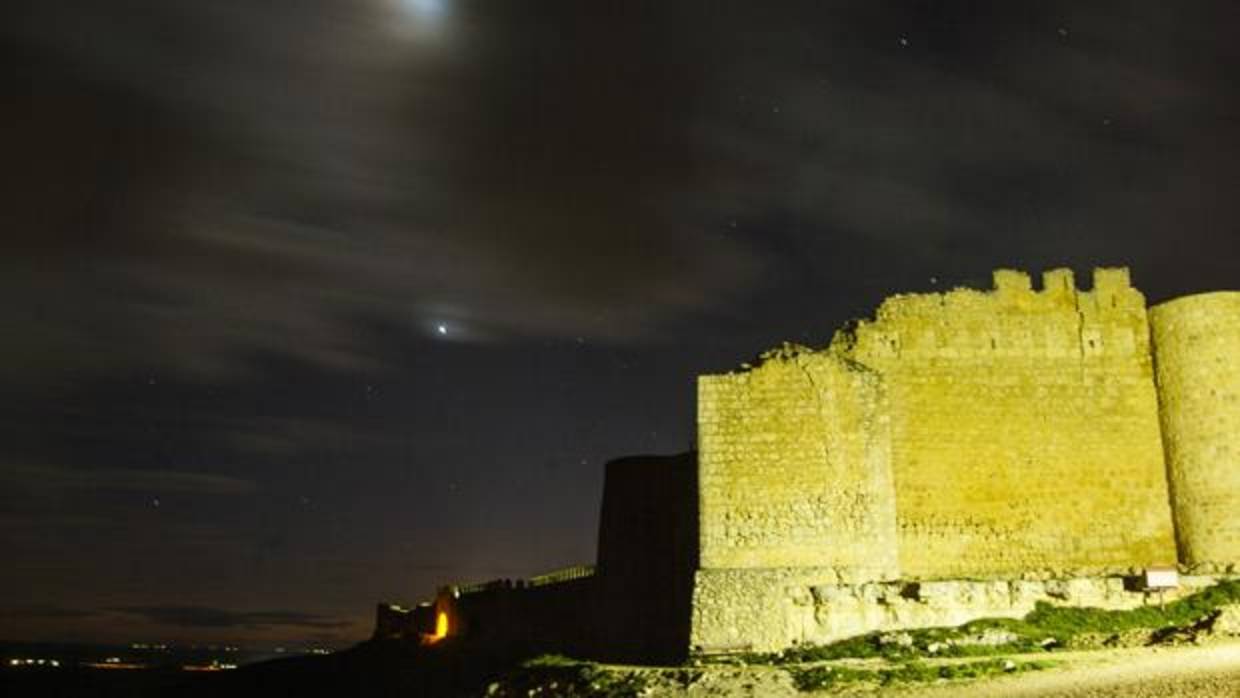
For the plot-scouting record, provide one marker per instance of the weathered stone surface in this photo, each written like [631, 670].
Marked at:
[1012, 437]
[1227, 622]
[1197, 344]
[794, 468]
[961, 455]
[767, 609]
[1024, 427]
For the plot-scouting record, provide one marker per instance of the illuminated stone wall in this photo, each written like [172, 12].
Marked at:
[961, 455]
[1197, 344]
[794, 468]
[1024, 427]
[1005, 434]
[771, 609]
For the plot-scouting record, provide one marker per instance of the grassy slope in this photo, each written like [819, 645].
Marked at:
[905, 653]
[1047, 627]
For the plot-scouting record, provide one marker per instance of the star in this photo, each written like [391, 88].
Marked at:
[441, 329]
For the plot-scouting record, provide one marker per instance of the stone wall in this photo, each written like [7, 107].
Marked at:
[647, 553]
[1197, 346]
[634, 605]
[965, 435]
[1024, 428]
[523, 620]
[962, 455]
[794, 467]
[768, 610]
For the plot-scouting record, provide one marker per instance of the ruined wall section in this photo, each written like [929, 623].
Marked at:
[1197, 353]
[774, 609]
[1025, 431]
[794, 468]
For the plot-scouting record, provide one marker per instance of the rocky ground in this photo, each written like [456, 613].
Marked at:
[1211, 671]
[1196, 671]
[1198, 658]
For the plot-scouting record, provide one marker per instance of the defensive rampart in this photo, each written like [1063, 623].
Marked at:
[1010, 435]
[1024, 428]
[963, 454]
[1197, 343]
[633, 605]
[794, 468]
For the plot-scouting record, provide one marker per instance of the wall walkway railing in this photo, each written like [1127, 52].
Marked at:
[559, 576]
[567, 574]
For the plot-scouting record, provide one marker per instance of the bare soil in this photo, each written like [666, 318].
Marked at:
[1211, 671]
[1189, 671]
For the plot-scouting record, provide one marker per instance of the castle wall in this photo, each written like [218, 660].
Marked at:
[793, 468]
[765, 610]
[1197, 350]
[647, 554]
[963, 455]
[566, 617]
[1024, 428]
[634, 605]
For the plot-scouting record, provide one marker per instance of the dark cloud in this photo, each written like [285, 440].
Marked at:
[327, 168]
[36, 477]
[237, 174]
[899, 146]
[207, 617]
[47, 612]
[233, 230]
[212, 179]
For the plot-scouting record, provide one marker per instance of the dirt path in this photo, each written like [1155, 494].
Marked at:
[1196, 672]
[1210, 671]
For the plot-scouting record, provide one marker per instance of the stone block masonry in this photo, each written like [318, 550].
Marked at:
[795, 467]
[1025, 432]
[768, 610]
[990, 438]
[1197, 346]
[961, 455]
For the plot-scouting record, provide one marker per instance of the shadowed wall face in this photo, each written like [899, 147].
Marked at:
[634, 605]
[1025, 432]
[1197, 346]
[647, 554]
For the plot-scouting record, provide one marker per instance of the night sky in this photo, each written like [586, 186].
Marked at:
[311, 304]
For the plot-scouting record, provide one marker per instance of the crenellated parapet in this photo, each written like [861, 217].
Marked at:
[1043, 392]
[974, 453]
[1003, 410]
[1012, 320]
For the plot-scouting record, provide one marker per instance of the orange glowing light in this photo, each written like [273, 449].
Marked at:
[441, 626]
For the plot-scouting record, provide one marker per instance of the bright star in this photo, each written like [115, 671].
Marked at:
[441, 329]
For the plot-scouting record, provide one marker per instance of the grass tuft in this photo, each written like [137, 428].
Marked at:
[1047, 627]
[816, 678]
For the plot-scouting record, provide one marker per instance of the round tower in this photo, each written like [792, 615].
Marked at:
[1197, 357]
